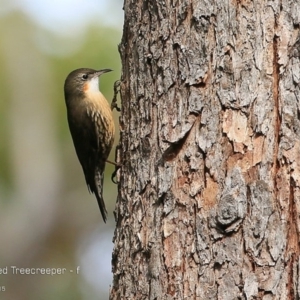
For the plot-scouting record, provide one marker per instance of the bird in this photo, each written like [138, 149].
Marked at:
[91, 125]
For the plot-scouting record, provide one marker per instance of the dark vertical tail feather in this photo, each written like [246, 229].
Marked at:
[101, 206]
[94, 181]
[99, 178]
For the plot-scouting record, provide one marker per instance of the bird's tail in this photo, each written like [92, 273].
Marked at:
[99, 178]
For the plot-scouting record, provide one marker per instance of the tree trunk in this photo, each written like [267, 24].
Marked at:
[209, 197]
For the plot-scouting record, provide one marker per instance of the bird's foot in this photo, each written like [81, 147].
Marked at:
[117, 167]
[114, 174]
[114, 104]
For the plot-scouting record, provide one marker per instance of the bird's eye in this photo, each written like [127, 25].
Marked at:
[84, 77]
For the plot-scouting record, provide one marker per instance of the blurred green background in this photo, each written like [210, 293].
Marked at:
[48, 219]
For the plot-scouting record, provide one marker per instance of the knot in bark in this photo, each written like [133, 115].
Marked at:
[227, 211]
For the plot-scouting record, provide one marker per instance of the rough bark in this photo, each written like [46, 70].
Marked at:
[209, 189]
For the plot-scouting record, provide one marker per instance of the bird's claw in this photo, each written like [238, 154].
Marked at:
[114, 174]
[114, 104]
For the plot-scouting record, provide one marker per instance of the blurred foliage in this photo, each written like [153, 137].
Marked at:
[45, 208]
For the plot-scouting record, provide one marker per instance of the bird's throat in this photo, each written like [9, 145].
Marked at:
[92, 86]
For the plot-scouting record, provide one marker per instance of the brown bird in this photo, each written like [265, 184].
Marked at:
[91, 125]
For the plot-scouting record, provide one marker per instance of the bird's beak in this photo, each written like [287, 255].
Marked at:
[100, 72]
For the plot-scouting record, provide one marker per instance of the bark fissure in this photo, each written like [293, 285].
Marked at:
[276, 75]
[293, 245]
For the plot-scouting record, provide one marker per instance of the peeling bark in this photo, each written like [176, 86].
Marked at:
[209, 188]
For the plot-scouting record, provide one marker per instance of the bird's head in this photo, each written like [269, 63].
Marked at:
[83, 80]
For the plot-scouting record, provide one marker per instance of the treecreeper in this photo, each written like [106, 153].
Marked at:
[91, 125]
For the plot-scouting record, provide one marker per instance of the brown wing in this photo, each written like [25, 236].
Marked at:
[88, 148]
